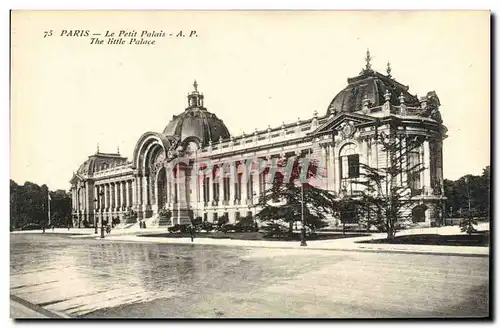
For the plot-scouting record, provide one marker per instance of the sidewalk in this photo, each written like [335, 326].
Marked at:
[22, 309]
[343, 244]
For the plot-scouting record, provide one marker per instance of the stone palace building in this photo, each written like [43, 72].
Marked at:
[110, 186]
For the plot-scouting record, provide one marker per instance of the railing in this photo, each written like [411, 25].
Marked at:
[264, 137]
[121, 169]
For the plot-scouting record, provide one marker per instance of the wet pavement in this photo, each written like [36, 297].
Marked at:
[101, 278]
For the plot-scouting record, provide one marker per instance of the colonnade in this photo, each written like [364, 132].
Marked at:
[113, 197]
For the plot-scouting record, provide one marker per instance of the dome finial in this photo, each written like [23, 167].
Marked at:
[368, 60]
[97, 151]
[389, 70]
[118, 150]
[195, 85]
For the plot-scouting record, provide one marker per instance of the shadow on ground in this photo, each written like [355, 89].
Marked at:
[481, 238]
[256, 236]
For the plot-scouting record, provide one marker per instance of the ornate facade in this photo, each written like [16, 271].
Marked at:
[208, 182]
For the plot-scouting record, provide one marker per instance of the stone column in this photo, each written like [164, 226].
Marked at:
[422, 161]
[244, 184]
[85, 205]
[331, 168]
[145, 193]
[135, 194]
[125, 200]
[324, 165]
[105, 196]
[118, 196]
[98, 197]
[232, 181]
[113, 196]
[404, 163]
[427, 175]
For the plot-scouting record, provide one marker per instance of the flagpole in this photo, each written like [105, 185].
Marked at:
[48, 201]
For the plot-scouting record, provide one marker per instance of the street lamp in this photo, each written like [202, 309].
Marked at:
[95, 216]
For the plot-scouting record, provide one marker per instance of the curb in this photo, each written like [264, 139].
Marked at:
[38, 309]
[367, 250]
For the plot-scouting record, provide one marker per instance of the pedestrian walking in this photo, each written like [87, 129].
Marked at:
[191, 232]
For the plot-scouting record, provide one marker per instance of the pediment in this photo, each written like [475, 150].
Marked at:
[76, 177]
[340, 121]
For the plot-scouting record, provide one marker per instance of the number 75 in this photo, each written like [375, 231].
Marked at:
[47, 33]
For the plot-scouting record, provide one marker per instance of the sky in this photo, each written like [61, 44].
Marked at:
[254, 68]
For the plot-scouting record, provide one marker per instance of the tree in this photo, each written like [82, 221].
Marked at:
[292, 182]
[473, 188]
[29, 206]
[387, 197]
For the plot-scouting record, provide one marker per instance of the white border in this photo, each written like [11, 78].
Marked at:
[177, 5]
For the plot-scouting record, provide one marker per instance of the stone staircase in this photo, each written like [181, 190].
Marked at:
[164, 222]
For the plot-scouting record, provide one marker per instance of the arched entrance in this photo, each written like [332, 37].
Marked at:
[418, 213]
[161, 185]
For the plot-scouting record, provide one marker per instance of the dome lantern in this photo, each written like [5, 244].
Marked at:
[196, 121]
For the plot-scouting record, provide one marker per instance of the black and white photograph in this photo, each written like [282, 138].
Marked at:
[284, 164]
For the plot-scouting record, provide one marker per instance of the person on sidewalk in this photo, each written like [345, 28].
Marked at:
[191, 232]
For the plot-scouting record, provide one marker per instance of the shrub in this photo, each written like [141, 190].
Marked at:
[227, 227]
[130, 217]
[207, 226]
[197, 221]
[182, 228]
[175, 228]
[222, 220]
[115, 221]
[247, 224]
[276, 230]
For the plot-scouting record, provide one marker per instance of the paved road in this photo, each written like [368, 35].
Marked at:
[92, 278]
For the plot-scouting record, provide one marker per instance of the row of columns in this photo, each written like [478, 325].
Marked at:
[80, 197]
[113, 196]
[193, 189]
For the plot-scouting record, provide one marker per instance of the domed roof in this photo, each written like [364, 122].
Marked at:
[374, 87]
[100, 161]
[196, 121]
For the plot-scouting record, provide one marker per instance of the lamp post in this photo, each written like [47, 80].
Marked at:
[95, 216]
[102, 225]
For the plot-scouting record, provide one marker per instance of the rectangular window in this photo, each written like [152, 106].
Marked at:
[216, 191]
[414, 171]
[262, 182]
[349, 166]
[353, 162]
[237, 216]
[175, 193]
[237, 187]
[225, 186]
[206, 189]
[250, 187]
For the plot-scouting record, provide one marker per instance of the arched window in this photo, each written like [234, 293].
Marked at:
[349, 162]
